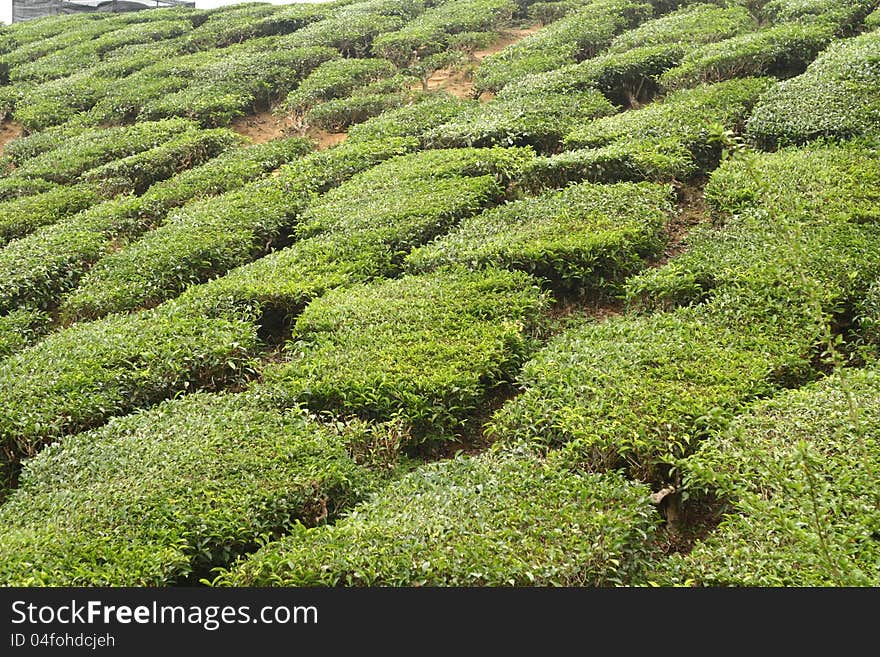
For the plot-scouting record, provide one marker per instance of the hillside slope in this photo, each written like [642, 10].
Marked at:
[442, 292]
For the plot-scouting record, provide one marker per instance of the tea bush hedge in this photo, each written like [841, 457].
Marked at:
[799, 472]
[846, 15]
[23, 215]
[365, 228]
[20, 328]
[494, 520]
[245, 83]
[782, 50]
[208, 238]
[540, 120]
[691, 25]
[280, 284]
[90, 149]
[78, 377]
[676, 138]
[627, 79]
[136, 173]
[587, 237]
[37, 268]
[579, 35]
[636, 391]
[424, 348]
[13, 188]
[430, 32]
[801, 221]
[413, 120]
[158, 497]
[836, 97]
[368, 101]
[334, 79]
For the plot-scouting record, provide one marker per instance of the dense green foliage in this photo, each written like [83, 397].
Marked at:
[413, 120]
[813, 232]
[155, 497]
[782, 50]
[838, 96]
[485, 521]
[209, 237]
[432, 32]
[586, 238]
[578, 36]
[73, 156]
[23, 215]
[538, 119]
[425, 348]
[366, 227]
[676, 138]
[637, 391]
[287, 363]
[800, 473]
[78, 377]
[20, 328]
[36, 269]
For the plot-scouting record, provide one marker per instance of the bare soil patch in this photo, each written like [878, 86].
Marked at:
[458, 81]
[9, 130]
[261, 127]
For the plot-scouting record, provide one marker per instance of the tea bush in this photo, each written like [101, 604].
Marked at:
[494, 520]
[431, 32]
[136, 173]
[23, 215]
[836, 97]
[580, 35]
[36, 269]
[799, 473]
[413, 120]
[90, 149]
[78, 377]
[782, 50]
[811, 230]
[283, 282]
[627, 79]
[368, 101]
[157, 497]
[365, 228]
[21, 328]
[208, 238]
[233, 87]
[334, 79]
[635, 391]
[846, 15]
[13, 188]
[425, 348]
[587, 237]
[675, 138]
[690, 25]
[540, 120]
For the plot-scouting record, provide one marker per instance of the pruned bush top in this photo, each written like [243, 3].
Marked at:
[838, 96]
[427, 347]
[78, 377]
[800, 472]
[580, 35]
[540, 120]
[587, 237]
[691, 25]
[675, 138]
[782, 50]
[471, 521]
[154, 497]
